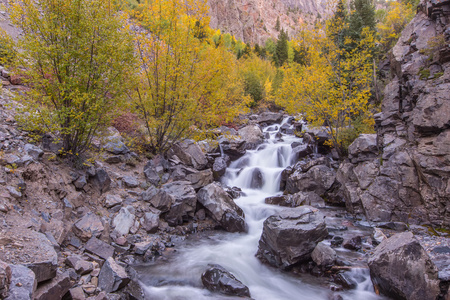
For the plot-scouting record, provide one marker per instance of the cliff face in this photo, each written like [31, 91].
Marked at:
[254, 21]
[409, 181]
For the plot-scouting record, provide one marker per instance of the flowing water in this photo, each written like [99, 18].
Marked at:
[180, 276]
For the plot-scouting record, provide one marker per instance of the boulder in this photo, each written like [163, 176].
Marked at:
[222, 208]
[252, 135]
[159, 199]
[200, 179]
[220, 166]
[99, 248]
[232, 145]
[301, 151]
[35, 152]
[217, 279]
[55, 288]
[115, 145]
[298, 199]
[185, 201]
[190, 154]
[23, 283]
[363, 148]
[269, 118]
[155, 168]
[112, 200]
[112, 276]
[124, 220]
[401, 269]
[130, 181]
[290, 236]
[318, 179]
[88, 226]
[323, 255]
[102, 180]
[150, 222]
[5, 279]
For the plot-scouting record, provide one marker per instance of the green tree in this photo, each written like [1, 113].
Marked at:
[277, 24]
[281, 54]
[362, 16]
[75, 56]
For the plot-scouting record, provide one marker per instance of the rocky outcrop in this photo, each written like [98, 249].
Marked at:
[217, 279]
[400, 268]
[401, 174]
[290, 236]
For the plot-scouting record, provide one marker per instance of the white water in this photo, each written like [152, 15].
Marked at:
[180, 278]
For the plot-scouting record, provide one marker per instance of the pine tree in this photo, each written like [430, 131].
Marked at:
[277, 24]
[281, 51]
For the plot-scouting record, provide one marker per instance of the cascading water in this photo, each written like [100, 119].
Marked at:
[258, 175]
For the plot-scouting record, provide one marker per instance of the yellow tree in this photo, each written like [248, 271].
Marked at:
[332, 88]
[186, 80]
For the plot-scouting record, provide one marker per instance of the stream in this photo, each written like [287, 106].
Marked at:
[179, 276]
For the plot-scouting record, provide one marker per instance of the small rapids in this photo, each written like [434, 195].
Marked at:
[258, 174]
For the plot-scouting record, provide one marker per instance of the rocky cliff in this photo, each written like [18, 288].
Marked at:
[403, 172]
[253, 21]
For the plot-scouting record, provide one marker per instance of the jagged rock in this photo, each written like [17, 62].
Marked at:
[5, 279]
[354, 243]
[364, 148]
[184, 204]
[49, 143]
[286, 129]
[130, 181]
[400, 268]
[142, 247]
[112, 276]
[102, 180]
[77, 293]
[200, 179]
[112, 200]
[291, 235]
[220, 166]
[159, 199]
[252, 135]
[298, 199]
[222, 208]
[80, 182]
[155, 169]
[124, 220]
[190, 154]
[217, 279]
[318, 179]
[233, 146]
[35, 152]
[301, 151]
[269, 118]
[323, 255]
[150, 222]
[23, 283]
[99, 248]
[115, 146]
[88, 226]
[55, 288]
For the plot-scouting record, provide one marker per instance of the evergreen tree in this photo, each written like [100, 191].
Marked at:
[281, 51]
[363, 15]
[277, 24]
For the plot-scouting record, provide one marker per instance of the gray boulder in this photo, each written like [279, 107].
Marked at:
[124, 220]
[5, 279]
[364, 148]
[185, 201]
[190, 154]
[269, 118]
[252, 135]
[88, 226]
[112, 276]
[23, 283]
[400, 268]
[318, 179]
[159, 199]
[35, 152]
[150, 222]
[232, 145]
[290, 236]
[200, 179]
[55, 288]
[217, 279]
[323, 255]
[222, 208]
[220, 166]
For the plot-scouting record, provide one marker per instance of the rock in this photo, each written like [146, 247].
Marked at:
[220, 166]
[150, 222]
[185, 201]
[290, 236]
[83, 267]
[112, 200]
[301, 151]
[14, 192]
[155, 169]
[269, 118]
[200, 179]
[346, 280]
[49, 143]
[102, 180]
[363, 148]
[257, 180]
[23, 283]
[130, 181]
[159, 199]
[124, 220]
[115, 146]
[190, 154]
[400, 268]
[80, 182]
[35, 152]
[318, 179]
[252, 135]
[77, 293]
[5, 279]
[55, 288]
[323, 255]
[222, 208]
[217, 279]
[99, 248]
[142, 247]
[88, 226]
[112, 276]
[354, 243]
[233, 146]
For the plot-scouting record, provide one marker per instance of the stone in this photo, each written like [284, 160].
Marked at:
[217, 279]
[55, 288]
[77, 293]
[222, 208]
[83, 267]
[159, 199]
[323, 255]
[354, 243]
[103, 180]
[112, 276]
[190, 154]
[301, 151]
[200, 179]
[150, 222]
[112, 200]
[130, 181]
[124, 220]
[142, 247]
[35, 152]
[14, 192]
[400, 268]
[318, 179]
[115, 146]
[80, 182]
[5, 279]
[257, 179]
[23, 283]
[232, 145]
[220, 166]
[290, 236]
[269, 118]
[185, 201]
[252, 135]
[88, 226]
[363, 148]
[99, 248]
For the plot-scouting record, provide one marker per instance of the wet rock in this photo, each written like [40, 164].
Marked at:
[130, 181]
[257, 179]
[233, 146]
[88, 226]
[55, 288]
[217, 279]
[269, 118]
[364, 148]
[150, 222]
[346, 280]
[190, 154]
[400, 268]
[99, 248]
[318, 179]
[35, 152]
[252, 135]
[301, 151]
[290, 236]
[200, 179]
[124, 220]
[336, 241]
[220, 165]
[112, 276]
[23, 283]
[354, 243]
[323, 255]
[5, 279]
[184, 204]
[222, 208]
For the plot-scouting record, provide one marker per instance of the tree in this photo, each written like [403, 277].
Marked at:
[186, 84]
[75, 58]
[277, 24]
[332, 88]
[281, 54]
[362, 16]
